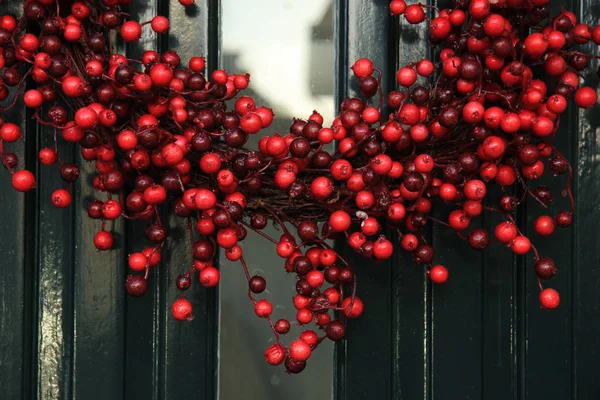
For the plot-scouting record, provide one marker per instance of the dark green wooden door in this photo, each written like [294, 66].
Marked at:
[68, 330]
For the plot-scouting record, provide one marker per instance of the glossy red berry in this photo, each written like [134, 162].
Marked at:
[103, 240]
[363, 68]
[275, 354]
[299, 350]
[263, 309]
[549, 299]
[131, 31]
[352, 309]
[438, 274]
[544, 225]
[182, 310]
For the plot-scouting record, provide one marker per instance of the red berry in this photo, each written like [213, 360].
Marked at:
[299, 350]
[304, 316]
[544, 225]
[205, 199]
[161, 75]
[315, 278]
[440, 27]
[475, 190]
[86, 118]
[103, 240]
[23, 180]
[505, 231]
[263, 309]
[425, 67]
[363, 68]
[414, 14]
[438, 274]
[397, 7]
[10, 132]
[61, 198]
[352, 309]
[131, 31]
[275, 354]
[33, 98]
[160, 24]
[182, 310]
[549, 298]
[520, 245]
[210, 277]
[406, 76]
[340, 221]
[47, 156]
[155, 195]
[459, 220]
[586, 97]
[321, 187]
[382, 249]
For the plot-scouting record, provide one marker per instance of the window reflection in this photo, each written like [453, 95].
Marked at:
[287, 46]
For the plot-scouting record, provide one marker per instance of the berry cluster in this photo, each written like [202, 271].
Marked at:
[163, 139]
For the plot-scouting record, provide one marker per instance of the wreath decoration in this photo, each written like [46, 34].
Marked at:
[166, 136]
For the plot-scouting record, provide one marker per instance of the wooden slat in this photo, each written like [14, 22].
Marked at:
[188, 366]
[99, 300]
[582, 265]
[412, 312]
[502, 298]
[16, 283]
[368, 352]
[142, 330]
[55, 245]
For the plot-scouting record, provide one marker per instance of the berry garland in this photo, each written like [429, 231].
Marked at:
[163, 140]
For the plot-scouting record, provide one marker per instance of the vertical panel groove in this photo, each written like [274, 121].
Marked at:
[31, 271]
[340, 29]
[212, 296]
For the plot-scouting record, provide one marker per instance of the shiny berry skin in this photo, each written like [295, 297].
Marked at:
[103, 240]
[275, 354]
[33, 98]
[459, 220]
[382, 249]
[61, 198]
[136, 286]
[205, 199]
[564, 219]
[10, 132]
[586, 97]
[160, 24]
[545, 268]
[544, 225]
[209, 277]
[183, 282]
[182, 310]
[321, 188]
[23, 180]
[475, 190]
[363, 68]
[438, 274]
[505, 232]
[352, 310]
[340, 221]
[397, 7]
[549, 299]
[299, 350]
[478, 239]
[520, 245]
[282, 326]
[257, 284]
[414, 14]
[263, 309]
[131, 31]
